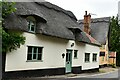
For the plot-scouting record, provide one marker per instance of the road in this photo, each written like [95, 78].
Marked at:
[104, 76]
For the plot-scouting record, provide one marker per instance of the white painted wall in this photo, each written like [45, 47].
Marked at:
[52, 53]
[91, 49]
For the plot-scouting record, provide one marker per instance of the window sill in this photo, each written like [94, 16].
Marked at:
[33, 32]
[87, 61]
[75, 58]
[94, 61]
[34, 61]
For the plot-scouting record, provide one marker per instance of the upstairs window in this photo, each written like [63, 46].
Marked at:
[102, 53]
[31, 24]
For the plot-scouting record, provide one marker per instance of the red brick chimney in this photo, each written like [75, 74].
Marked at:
[87, 21]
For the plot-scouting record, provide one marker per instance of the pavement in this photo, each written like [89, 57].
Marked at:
[102, 71]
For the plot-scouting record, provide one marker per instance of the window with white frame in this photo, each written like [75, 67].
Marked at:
[87, 57]
[94, 57]
[34, 53]
[31, 22]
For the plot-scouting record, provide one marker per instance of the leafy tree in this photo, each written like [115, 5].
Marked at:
[10, 40]
[115, 37]
[7, 8]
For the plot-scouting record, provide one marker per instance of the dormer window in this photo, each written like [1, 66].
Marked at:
[31, 24]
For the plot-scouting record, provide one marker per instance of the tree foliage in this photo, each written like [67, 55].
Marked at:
[10, 40]
[7, 8]
[115, 37]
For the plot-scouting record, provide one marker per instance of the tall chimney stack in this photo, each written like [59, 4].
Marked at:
[87, 21]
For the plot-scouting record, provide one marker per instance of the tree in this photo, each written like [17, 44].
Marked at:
[10, 40]
[115, 37]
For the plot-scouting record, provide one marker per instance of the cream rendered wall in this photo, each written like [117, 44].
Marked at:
[90, 49]
[52, 53]
[82, 48]
[53, 48]
[106, 57]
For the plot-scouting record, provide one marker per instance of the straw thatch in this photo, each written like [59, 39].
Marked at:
[99, 28]
[51, 20]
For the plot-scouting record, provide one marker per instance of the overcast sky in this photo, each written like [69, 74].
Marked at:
[102, 8]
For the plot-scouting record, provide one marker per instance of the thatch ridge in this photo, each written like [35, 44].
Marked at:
[57, 8]
[55, 22]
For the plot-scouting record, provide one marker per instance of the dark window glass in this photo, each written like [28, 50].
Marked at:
[35, 49]
[39, 56]
[94, 57]
[34, 56]
[87, 57]
[40, 50]
[67, 57]
[29, 49]
[29, 57]
[102, 53]
[32, 28]
[28, 23]
[75, 53]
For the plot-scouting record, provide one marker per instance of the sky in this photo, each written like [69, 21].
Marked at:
[97, 8]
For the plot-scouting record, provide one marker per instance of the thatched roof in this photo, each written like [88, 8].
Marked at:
[51, 20]
[99, 28]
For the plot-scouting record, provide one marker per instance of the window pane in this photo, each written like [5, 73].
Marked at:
[102, 53]
[87, 57]
[35, 49]
[67, 56]
[40, 50]
[32, 28]
[28, 23]
[29, 57]
[30, 49]
[94, 57]
[39, 56]
[34, 56]
[75, 53]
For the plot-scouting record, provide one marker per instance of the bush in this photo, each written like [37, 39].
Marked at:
[113, 65]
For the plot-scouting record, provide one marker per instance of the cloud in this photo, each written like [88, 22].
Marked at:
[102, 8]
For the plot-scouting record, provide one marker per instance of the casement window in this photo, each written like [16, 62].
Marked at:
[34, 53]
[31, 23]
[87, 57]
[102, 53]
[106, 57]
[94, 57]
[75, 54]
[102, 58]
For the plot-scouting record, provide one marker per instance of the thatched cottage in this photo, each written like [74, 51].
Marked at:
[99, 29]
[54, 44]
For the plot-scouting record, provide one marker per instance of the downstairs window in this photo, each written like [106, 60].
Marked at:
[34, 53]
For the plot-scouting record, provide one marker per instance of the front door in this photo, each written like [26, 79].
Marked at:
[68, 60]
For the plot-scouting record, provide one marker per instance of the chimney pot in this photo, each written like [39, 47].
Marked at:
[85, 12]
